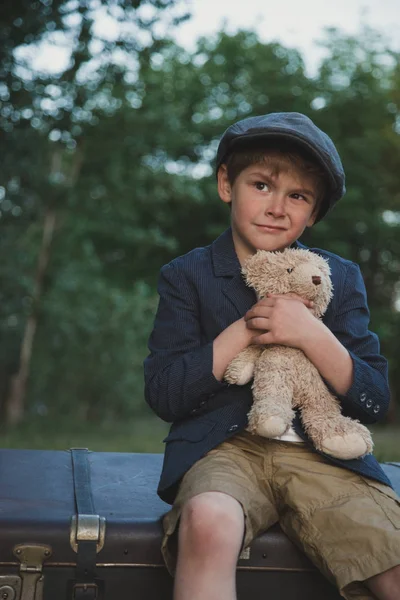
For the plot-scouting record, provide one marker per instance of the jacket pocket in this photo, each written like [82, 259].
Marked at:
[386, 498]
[191, 431]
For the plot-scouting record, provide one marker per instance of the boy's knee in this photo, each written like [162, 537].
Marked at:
[212, 523]
[386, 584]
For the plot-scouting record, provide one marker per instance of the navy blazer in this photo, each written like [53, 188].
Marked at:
[202, 293]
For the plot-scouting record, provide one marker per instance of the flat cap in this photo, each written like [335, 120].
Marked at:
[301, 131]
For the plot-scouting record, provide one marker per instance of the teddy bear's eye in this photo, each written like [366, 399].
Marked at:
[290, 270]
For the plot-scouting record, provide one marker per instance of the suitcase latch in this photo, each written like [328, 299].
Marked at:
[87, 528]
[32, 557]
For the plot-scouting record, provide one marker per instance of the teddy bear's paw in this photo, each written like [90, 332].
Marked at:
[348, 446]
[239, 374]
[271, 427]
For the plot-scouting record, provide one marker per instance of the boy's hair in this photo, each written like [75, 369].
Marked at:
[280, 157]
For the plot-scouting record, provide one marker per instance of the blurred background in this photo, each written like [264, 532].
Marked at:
[110, 115]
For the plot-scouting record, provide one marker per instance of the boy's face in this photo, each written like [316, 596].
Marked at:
[268, 211]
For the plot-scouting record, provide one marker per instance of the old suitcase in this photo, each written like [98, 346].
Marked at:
[86, 526]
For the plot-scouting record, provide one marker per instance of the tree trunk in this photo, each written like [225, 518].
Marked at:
[15, 403]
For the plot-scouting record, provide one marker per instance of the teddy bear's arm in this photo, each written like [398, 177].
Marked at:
[241, 369]
[331, 432]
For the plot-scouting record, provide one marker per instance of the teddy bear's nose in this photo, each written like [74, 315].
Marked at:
[316, 279]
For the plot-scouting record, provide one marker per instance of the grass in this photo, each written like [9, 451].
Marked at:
[386, 439]
[137, 435]
[143, 434]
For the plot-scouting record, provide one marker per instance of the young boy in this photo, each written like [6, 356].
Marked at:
[279, 174]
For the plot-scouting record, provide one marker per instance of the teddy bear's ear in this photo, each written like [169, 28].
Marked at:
[258, 266]
[254, 269]
[263, 272]
[256, 262]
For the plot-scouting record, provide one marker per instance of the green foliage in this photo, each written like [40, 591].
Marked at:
[80, 357]
[96, 336]
[359, 84]
[123, 148]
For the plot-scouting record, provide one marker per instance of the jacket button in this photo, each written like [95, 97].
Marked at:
[363, 397]
[376, 408]
[368, 403]
[203, 403]
[233, 428]
[194, 411]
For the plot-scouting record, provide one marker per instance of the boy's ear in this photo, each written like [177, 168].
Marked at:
[224, 187]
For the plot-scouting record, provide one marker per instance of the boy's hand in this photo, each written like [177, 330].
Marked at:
[282, 319]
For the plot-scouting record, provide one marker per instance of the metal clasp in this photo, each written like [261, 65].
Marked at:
[32, 557]
[87, 528]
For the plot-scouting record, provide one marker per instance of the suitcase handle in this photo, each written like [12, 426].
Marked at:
[87, 531]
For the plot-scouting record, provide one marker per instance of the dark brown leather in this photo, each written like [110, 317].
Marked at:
[37, 502]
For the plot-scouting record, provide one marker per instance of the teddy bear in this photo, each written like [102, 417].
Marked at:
[284, 379]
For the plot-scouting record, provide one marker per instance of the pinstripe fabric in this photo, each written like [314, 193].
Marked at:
[201, 294]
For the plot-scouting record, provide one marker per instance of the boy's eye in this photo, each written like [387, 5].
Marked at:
[299, 197]
[290, 270]
[260, 185]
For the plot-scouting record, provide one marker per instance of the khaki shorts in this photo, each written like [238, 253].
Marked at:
[348, 525]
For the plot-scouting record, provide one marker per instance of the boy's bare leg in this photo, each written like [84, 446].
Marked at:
[386, 585]
[210, 537]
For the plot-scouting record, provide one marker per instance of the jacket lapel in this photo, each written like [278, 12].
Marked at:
[241, 296]
[226, 266]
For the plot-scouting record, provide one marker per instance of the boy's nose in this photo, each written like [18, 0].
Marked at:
[276, 206]
[316, 279]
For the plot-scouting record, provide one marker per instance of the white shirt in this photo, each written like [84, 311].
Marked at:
[289, 436]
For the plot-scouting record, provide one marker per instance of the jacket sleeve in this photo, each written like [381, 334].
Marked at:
[368, 397]
[178, 371]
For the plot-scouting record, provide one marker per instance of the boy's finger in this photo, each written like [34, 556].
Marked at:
[264, 338]
[257, 323]
[261, 311]
[267, 301]
[308, 303]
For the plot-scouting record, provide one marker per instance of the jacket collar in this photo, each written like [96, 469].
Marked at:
[224, 257]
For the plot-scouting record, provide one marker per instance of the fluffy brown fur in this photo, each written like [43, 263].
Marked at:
[284, 378]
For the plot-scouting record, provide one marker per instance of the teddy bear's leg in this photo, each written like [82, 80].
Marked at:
[271, 413]
[241, 369]
[331, 432]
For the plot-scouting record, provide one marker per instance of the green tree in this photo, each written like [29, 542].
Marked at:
[44, 118]
[359, 98]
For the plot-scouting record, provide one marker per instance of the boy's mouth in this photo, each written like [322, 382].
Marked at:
[272, 228]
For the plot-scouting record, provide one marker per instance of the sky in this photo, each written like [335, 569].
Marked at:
[294, 23]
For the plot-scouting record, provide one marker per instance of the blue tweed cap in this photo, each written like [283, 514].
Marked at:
[301, 131]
